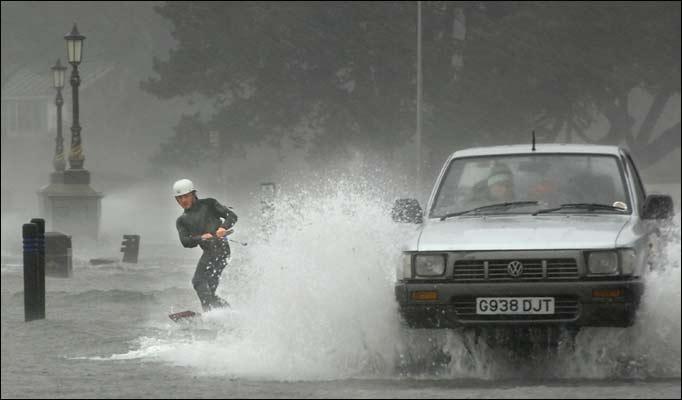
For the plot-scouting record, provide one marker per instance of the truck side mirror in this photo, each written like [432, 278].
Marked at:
[408, 211]
[658, 206]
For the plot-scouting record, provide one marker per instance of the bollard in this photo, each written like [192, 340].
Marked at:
[131, 248]
[40, 274]
[58, 252]
[32, 297]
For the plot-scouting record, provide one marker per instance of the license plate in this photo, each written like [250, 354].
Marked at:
[514, 305]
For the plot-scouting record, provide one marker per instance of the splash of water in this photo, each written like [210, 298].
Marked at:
[650, 348]
[312, 300]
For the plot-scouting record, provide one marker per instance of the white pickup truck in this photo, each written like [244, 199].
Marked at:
[556, 235]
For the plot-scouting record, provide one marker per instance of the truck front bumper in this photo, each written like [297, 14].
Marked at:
[575, 303]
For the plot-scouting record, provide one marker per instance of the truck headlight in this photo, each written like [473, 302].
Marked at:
[404, 270]
[602, 262]
[429, 265]
[628, 261]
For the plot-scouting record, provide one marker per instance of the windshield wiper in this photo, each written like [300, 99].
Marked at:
[499, 205]
[588, 206]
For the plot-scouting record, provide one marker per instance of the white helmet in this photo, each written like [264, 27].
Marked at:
[183, 186]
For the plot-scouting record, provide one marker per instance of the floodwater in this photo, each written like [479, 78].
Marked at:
[313, 315]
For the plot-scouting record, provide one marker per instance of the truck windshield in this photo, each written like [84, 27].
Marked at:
[549, 179]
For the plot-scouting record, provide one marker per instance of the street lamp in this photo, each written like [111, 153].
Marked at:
[58, 81]
[74, 50]
[69, 202]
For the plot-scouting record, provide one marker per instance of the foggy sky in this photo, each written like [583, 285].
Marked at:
[123, 126]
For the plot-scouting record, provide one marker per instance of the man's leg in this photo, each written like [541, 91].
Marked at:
[202, 282]
[218, 264]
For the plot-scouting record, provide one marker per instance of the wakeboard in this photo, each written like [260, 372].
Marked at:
[183, 315]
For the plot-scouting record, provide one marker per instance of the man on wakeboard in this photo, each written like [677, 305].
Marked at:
[205, 223]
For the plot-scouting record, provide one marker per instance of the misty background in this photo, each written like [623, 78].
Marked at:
[319, 98]
[235, 94]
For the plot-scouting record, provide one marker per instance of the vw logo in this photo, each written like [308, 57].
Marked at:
[515, 268]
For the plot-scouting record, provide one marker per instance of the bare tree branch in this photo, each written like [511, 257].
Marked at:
[655, 111]
[664, 144]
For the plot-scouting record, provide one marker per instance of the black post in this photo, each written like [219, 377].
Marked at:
[76, 158]
[131, 248]
[40, 281]
[31, 287]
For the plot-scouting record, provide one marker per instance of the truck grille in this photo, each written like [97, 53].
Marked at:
[565, 308]
[533, 270]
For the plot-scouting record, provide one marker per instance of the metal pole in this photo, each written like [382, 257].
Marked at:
[59, 161]
[40, 271]
[419, 98]
[76, 159]
[32, 296]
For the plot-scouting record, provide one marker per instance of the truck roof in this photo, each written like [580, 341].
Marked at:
[540, 148]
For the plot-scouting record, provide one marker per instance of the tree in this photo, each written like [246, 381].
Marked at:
[349, 69]
[556, 68]
[188, 147]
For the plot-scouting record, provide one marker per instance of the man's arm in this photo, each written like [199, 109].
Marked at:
[186, 238]
[228, 215]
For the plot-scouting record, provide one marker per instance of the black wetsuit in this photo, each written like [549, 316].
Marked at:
[205, 217]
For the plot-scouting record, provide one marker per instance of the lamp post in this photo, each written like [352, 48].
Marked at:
[58, 81]
[74, 50]
[419, 99]
[70, 205]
